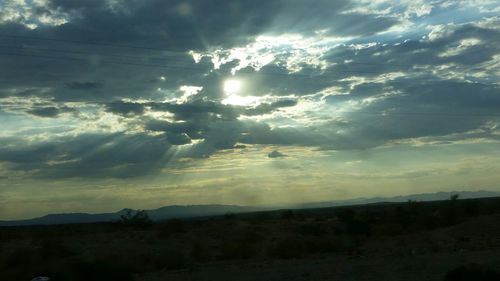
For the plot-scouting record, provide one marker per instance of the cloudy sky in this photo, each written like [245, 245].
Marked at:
[106, 104]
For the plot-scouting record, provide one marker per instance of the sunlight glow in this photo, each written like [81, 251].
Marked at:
[244, 101]
[232, 90]
[232, 86]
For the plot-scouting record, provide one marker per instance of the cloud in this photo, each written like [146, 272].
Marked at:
[343, 75]
[75, 85]
[91, 155]
[178, 139]
[127, 109]
[50, 111]
[275, 154]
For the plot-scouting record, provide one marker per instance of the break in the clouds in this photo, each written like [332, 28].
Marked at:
[197, 97]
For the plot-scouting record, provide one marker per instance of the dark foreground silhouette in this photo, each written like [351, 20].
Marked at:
[447, 240]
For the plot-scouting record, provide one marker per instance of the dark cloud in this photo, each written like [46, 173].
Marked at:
[90, 155]
[22, 92]
[421, 108]
[83, 86]
[174, 24]
[194, 130]
[50, 111]
[128, 109]
[130, 57]
[265, 108]
[275, 154]
[307, 17]
[178, 139]
[409, 54]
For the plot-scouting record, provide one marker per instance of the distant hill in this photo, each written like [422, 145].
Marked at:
[192, 211]
[162, 213]
[416, 197]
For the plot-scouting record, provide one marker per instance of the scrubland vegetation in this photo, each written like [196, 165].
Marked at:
[135, 247]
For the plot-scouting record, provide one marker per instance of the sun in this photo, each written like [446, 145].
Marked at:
[232, 91]
[232, 86]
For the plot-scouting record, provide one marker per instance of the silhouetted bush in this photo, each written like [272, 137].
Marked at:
[137, 219]
[472, 272]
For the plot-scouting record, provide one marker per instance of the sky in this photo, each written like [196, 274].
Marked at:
[107, 104]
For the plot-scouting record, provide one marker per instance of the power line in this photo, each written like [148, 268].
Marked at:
[173, 66]
[104, 62]
[92, 43]
[35, 49]
[178, 66]
[172, 52]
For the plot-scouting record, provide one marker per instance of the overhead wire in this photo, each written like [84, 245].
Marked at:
[190, 67]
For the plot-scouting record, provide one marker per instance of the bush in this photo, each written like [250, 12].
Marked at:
[137, 219]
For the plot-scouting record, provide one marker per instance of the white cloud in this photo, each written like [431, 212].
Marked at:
[291, 50]
[463, 46]
[31, 14]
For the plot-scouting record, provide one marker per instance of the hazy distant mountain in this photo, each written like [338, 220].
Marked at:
[162, 213]
[416, 197]
[192, 211]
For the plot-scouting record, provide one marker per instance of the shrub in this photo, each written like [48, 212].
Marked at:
[137, 219]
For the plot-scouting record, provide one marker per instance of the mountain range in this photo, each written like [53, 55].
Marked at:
[192, 211]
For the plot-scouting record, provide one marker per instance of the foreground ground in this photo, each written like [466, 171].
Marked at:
[408, 241]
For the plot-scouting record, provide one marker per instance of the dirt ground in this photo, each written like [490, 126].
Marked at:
[421, 257]
[425, 267]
